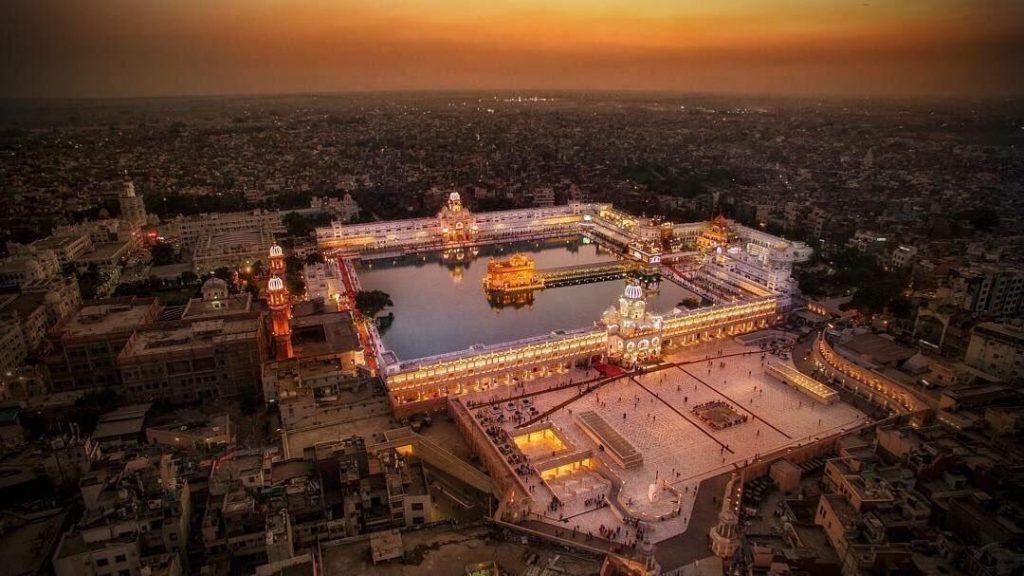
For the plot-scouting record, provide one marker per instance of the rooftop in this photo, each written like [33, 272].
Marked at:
[105, 251]
[27, 540]
[200, 308]
[123, 421]
[22, 304]
[115, 316]
[879, 350]
[316, 333]
[185, 337]
[1004, 332]
[57, 241]
[843, 510]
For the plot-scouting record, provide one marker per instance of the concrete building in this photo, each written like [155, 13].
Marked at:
[193, 433]
[27, 313]
[997, 349]
[106, 256]
[137, 514]
[989, 290]
[346, 209]
[133, 207]
[217, 302]
[903, 256]
[327, 361]
[83, 350]
[121, 427]
[544, 197]
[194, 229]
[27, 264]
[13, 349]
[323, 281]
[68, 245]
[61, 296]
[194, 361]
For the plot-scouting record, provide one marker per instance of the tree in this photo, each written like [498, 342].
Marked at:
[90, 406]
[296, 285]
[293, 264]
[297, 224]
[224, 273]
[257, 268]
[371, 302]
[984, 219]
[163, 254]
[314, 258]
[188, 277]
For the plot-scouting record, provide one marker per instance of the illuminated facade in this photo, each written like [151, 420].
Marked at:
[457, 224]
[276, 262]
[634, 334]
[453, 226]
[425, 383]
[518, 272]
[280, 316]
[879, 389]
[133, 210]
[743, 272]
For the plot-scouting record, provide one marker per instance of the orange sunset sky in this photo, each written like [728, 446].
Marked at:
[103, 48]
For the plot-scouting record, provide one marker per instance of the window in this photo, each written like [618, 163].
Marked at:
[120, 558]
[102, 561]
[417, 506]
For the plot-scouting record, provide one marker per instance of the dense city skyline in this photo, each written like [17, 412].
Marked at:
[87, 48]
[574, 287]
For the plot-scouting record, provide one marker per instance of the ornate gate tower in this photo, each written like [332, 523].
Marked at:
[634, 334]
[457, 223]
[280, 314]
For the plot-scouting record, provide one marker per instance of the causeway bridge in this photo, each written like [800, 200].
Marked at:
[595, 272]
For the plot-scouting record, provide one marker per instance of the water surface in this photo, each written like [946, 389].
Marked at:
[440, 304]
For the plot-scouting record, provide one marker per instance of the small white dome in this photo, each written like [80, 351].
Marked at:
[275, 251]
[633, 291]
[214, 289]
[275, 284]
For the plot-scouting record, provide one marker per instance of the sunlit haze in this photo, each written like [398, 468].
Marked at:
[103, 48]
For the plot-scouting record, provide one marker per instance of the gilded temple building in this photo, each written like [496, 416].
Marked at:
[517, 272]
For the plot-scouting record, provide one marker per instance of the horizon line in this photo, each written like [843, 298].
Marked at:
[778, 95]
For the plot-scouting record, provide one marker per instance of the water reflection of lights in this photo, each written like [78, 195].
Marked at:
[456, 274]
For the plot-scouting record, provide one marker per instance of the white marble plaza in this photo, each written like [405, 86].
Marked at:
[653, 412]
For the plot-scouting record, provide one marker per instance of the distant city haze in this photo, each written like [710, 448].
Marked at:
[115, 48]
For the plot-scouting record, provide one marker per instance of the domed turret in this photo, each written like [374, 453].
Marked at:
[275, 284]
[277, 264]
[214, 289]
[634, 292]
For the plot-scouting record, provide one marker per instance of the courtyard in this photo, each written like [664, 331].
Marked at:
[653, 412]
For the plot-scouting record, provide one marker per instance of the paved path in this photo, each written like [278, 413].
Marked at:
[734, 402]
[683, 415]
[692, 545]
